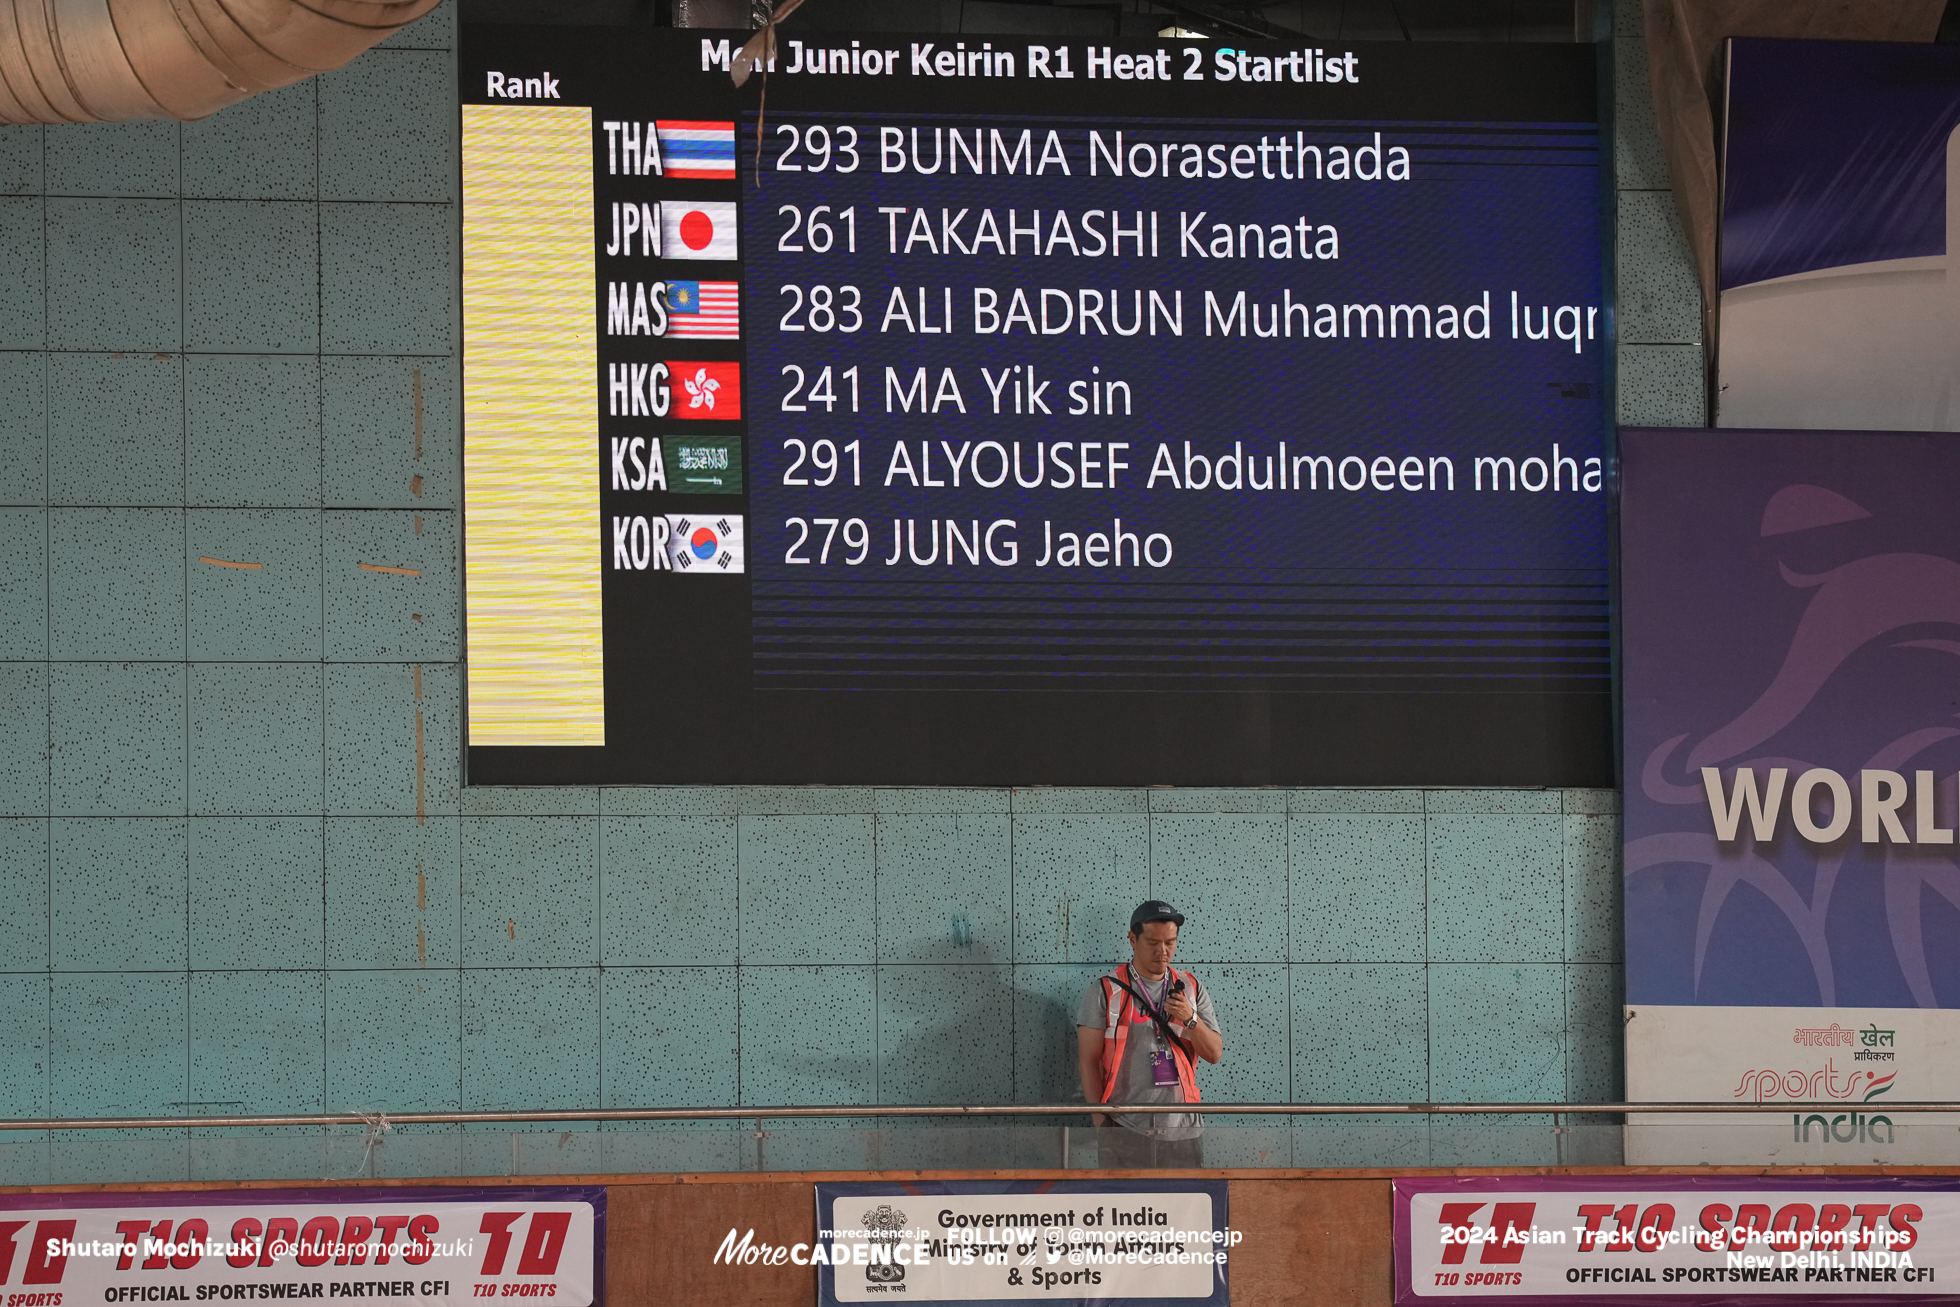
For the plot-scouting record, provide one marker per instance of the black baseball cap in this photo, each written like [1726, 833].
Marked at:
[1155, 910]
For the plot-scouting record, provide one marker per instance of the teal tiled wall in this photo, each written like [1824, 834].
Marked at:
[235, 881]
[1660, 357]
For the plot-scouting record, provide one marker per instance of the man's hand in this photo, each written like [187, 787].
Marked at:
[1204, 1041]
[1178, 1009]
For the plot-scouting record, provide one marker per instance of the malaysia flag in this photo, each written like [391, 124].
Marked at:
[703, 310]
[700, 150]
[706, 390]
[705, 545]
[697, 231]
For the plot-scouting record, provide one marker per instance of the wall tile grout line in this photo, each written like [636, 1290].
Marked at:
[1565, 947]
[46, 1079]
[183, 518]
[1428, 926]
[47, 618]
[599, 954]
[320, 588]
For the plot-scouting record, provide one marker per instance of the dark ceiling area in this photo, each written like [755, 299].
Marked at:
[1352, 20]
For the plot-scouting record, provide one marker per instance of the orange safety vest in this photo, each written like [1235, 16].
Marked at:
[1123, 1009]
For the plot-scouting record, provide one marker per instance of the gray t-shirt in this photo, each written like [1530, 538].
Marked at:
[1134, 1083]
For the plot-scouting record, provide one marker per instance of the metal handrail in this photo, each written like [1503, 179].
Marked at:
[558, 1115]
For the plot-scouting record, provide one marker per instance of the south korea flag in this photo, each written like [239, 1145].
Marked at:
[704, 544]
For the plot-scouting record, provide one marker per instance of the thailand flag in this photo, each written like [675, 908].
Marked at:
[703, 310]
[706, 390]
[697, 231]
[701, 150]
[705, 545]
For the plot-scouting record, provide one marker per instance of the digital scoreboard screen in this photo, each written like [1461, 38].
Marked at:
[986, 411]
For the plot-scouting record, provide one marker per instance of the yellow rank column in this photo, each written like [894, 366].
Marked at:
[530, 428]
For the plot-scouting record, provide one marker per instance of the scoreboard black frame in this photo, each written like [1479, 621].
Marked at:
[700, 689]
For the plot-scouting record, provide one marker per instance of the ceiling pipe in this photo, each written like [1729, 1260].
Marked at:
[83, 61]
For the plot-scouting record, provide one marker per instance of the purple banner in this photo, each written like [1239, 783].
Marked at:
[1839, 169]
[1836, 154]
[1791, 610]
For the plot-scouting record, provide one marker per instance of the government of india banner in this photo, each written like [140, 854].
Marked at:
[1144, 1242]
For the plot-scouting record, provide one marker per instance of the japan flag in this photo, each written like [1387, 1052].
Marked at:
[697, 231]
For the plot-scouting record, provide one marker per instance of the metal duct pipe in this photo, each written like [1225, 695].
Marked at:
[81, 61]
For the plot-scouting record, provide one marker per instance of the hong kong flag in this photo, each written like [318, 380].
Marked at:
[706, 390]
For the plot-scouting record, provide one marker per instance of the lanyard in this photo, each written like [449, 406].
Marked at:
[1158, 1011]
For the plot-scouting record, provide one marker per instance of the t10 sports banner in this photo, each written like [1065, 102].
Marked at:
[1791, 618]
[428, 1247]
[1709, 1239]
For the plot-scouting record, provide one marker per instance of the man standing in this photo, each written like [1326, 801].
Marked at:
[1138, 1032]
